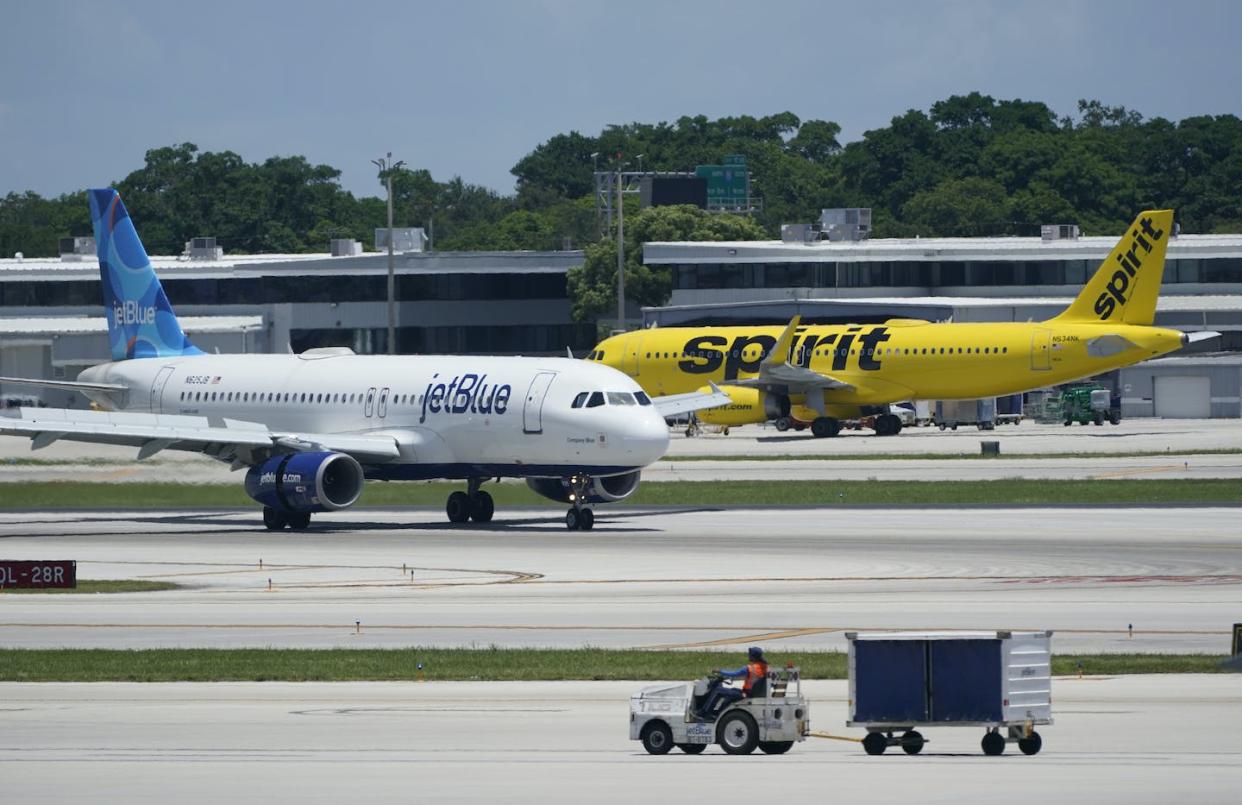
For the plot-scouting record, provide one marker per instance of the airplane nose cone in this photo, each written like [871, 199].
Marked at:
[646, 437]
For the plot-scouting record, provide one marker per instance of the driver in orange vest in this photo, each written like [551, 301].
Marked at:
[755, 674]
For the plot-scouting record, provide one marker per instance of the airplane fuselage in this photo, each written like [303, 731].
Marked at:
[451, 416]
[890, 362]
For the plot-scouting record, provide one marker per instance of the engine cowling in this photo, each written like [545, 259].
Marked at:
[609, 489]
[748, 407]
[306, 482]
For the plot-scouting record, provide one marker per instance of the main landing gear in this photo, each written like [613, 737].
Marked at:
[887, 425]
[276, 520]
[473, 504]
[579, 517]
[823, 427]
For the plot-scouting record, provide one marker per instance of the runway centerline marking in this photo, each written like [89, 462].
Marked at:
[1140, 471]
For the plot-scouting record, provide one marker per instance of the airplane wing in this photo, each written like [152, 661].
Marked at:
[776, 373]
[239, 442]
[674, 404]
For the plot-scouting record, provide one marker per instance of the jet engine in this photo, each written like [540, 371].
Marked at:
[609, 489]
[306, 482]
[749, 406]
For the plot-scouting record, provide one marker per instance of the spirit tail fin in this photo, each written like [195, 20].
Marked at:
[1125, 287]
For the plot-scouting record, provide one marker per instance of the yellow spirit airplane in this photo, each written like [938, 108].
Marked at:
[824, 374]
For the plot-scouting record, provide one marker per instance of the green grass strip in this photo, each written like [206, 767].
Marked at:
[75, 495]
[93, 586]
[493, 664]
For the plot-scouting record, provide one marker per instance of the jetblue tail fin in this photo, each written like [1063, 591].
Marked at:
[1125, 286]
[141, 323]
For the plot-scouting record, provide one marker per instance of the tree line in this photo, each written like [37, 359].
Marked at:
[969, 166]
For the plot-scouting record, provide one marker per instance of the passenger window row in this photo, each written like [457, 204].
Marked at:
[292, 397]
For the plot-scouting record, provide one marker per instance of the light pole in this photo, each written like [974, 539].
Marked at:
[387, 167]
[620, 250]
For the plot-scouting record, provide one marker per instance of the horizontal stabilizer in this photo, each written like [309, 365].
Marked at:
[65, 385]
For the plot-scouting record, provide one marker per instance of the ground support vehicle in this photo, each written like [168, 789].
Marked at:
[901, 682]
[951, 413]
[667, 716]
[1089, 402]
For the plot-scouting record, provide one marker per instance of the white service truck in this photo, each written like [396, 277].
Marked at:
[664, 716]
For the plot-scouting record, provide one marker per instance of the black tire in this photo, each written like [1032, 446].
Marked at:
[657, 738]
[993, 743]
[875, 743]
[943, 426]
[1114, 417]
[274, 520]
[482, 507]
[586, 520]
[738, 734]
[782, 423]
[458, 507]
[1069, 422]
[1031, 745]
[572, 520]
[298, 521]
[823, 427]
[1097, 418]
[912, 742]
[692, 749]
[775, 747]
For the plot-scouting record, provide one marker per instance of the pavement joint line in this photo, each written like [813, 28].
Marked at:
[1138, 471]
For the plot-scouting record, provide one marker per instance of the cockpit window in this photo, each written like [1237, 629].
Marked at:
[581, 399]
[620, 398]
[642, 398]
[595, 400]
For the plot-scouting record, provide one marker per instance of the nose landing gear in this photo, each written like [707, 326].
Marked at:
[579, 517]
[473, 504]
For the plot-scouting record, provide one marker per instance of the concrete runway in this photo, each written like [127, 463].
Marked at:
[1156, 739]
[668, 577]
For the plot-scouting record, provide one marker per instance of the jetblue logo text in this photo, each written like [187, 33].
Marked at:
[707, 353]
[469, 393]
[1130, 260]
[130, 313]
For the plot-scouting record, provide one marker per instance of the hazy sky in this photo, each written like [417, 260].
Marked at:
[468, 88]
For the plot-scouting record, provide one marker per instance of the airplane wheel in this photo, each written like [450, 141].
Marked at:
[482, 507]
[782, 424]
[273, 520]
[572, 520]
[458, 507]
[823, 427]
[586, 520]
[299, 522]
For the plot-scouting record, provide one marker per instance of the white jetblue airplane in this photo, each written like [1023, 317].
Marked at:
[311, 428]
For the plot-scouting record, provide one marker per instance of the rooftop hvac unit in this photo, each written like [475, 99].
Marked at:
[408, 239]
[73, 250]
[798, 233]
[345, 247]
[203, 249]
[851, 223]
[1050, 232]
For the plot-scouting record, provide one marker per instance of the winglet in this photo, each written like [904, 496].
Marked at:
[779, 355]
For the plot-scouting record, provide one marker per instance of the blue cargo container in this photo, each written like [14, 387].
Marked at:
[995, 680]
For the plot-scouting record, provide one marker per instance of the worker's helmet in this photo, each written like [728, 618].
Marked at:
[755, 653]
